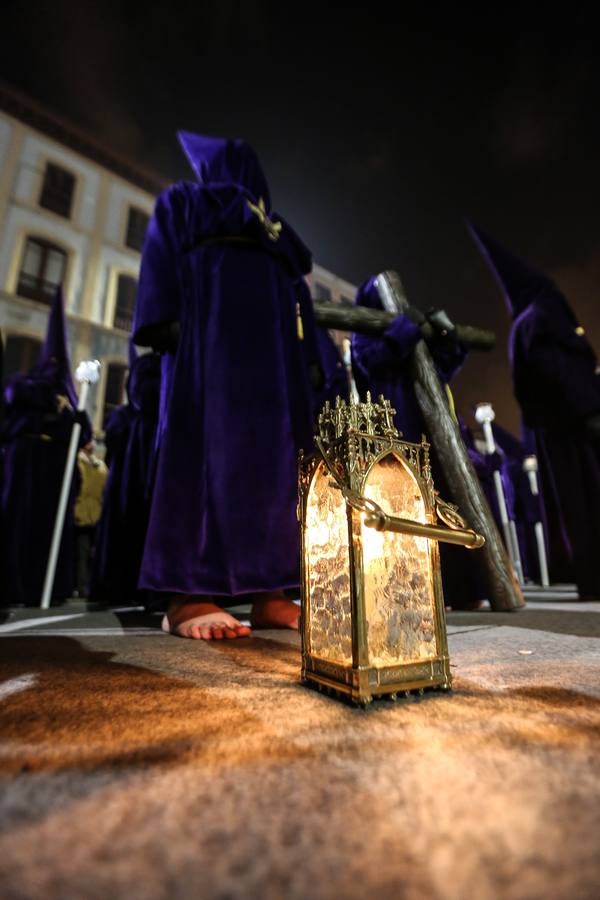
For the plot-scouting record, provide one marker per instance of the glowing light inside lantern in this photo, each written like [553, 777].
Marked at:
[330, 628]
[398, 573]
[372, 608]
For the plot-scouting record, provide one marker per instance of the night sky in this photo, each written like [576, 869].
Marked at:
[377, 138]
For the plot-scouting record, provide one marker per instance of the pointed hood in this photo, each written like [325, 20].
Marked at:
[519, 283]
[53, 364]
[218, 161]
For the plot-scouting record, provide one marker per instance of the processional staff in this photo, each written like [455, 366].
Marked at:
[504, 592]
[485, 415]
[530, 467]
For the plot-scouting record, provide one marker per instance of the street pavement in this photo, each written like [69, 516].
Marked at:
[137, 765]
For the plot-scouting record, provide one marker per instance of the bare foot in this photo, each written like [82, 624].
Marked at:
[202, 620]
[273, 610]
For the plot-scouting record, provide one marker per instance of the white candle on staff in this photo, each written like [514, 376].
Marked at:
[530, 466]
[485, 415]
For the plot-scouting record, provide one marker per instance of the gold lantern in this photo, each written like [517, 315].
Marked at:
[373, 620]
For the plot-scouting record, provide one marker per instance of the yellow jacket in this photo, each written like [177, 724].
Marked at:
[93, 472]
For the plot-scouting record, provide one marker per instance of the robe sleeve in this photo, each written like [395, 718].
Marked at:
[391, 352]
[567, 377]
[157, 309]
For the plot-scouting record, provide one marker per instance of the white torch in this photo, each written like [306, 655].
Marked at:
[485, 415]
[530, 466]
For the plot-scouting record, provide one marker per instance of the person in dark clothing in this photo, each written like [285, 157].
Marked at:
[130, 453]
[40, 411]
[557, 386]
[526, 508]
[381, 365]
[218, 295]
[92, 474]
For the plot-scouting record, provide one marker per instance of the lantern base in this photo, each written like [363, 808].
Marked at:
[361, 686]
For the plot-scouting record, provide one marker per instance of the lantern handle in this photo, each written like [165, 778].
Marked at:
[451, 534]
[454, 530]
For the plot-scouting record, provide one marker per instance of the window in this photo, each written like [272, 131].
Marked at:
[42, 270]
[57, 190]
[20, 354]
[322, 292]
[136, 228]
[114, 395]
[126, 292]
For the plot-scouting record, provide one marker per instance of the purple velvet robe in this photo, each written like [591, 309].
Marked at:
[236, 402]
[35, 437]
[484, 465]
[39, 414]
[382, 366]
[130, 455]
[558, 389]
[523, 507]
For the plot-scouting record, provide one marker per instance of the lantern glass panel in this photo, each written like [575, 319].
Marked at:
[328, 559]
[398, 572]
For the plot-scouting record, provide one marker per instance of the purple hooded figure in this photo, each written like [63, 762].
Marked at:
[524, 507]
[130, 454]
[557, 386]
[219, 295]
[40, 411]
[381, 365]
[484, 465]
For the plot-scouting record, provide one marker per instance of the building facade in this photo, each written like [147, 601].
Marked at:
[74, 213]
